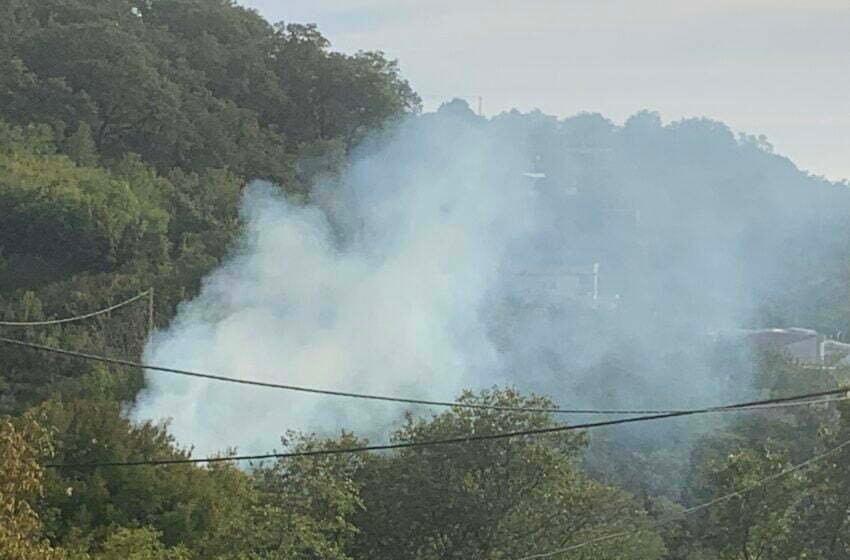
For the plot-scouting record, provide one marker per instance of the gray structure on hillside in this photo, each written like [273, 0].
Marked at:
[805, 345]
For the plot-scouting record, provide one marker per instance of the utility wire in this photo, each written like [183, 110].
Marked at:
[694, 509]
[74, 319]
[792, 401]
[753, 405]
[297, 388]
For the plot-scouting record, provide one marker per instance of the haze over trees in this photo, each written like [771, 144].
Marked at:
[129, 130]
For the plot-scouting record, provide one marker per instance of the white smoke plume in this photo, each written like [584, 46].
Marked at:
[378, 292]
[445, 258]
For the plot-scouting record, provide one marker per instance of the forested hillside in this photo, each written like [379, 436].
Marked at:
[129, 133]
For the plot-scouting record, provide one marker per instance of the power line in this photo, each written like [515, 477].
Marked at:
[791, 401]
[327, 392]
[694, 509]
[78, 317]
[753, 405]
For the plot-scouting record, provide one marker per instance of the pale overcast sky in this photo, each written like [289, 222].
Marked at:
[774, 67]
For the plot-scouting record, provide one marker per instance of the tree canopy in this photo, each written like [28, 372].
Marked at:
[128, 132]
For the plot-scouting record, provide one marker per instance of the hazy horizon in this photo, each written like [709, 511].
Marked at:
[761, 67]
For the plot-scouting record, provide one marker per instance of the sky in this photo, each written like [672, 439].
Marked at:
[775, 67]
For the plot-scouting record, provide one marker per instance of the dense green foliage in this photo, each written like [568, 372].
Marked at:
[189, 84]
[496, 499]
[128, 129]
[127, 132]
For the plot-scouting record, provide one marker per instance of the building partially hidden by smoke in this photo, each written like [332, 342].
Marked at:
[805, 345]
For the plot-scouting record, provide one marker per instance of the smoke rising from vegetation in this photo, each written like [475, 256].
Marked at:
[379, 291]
[589, 261]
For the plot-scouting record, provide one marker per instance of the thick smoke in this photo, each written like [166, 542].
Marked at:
[587, 261]
[379, 292]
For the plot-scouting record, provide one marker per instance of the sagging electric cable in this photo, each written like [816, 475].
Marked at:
[374, 397]
[748, 406]
[76, 318]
